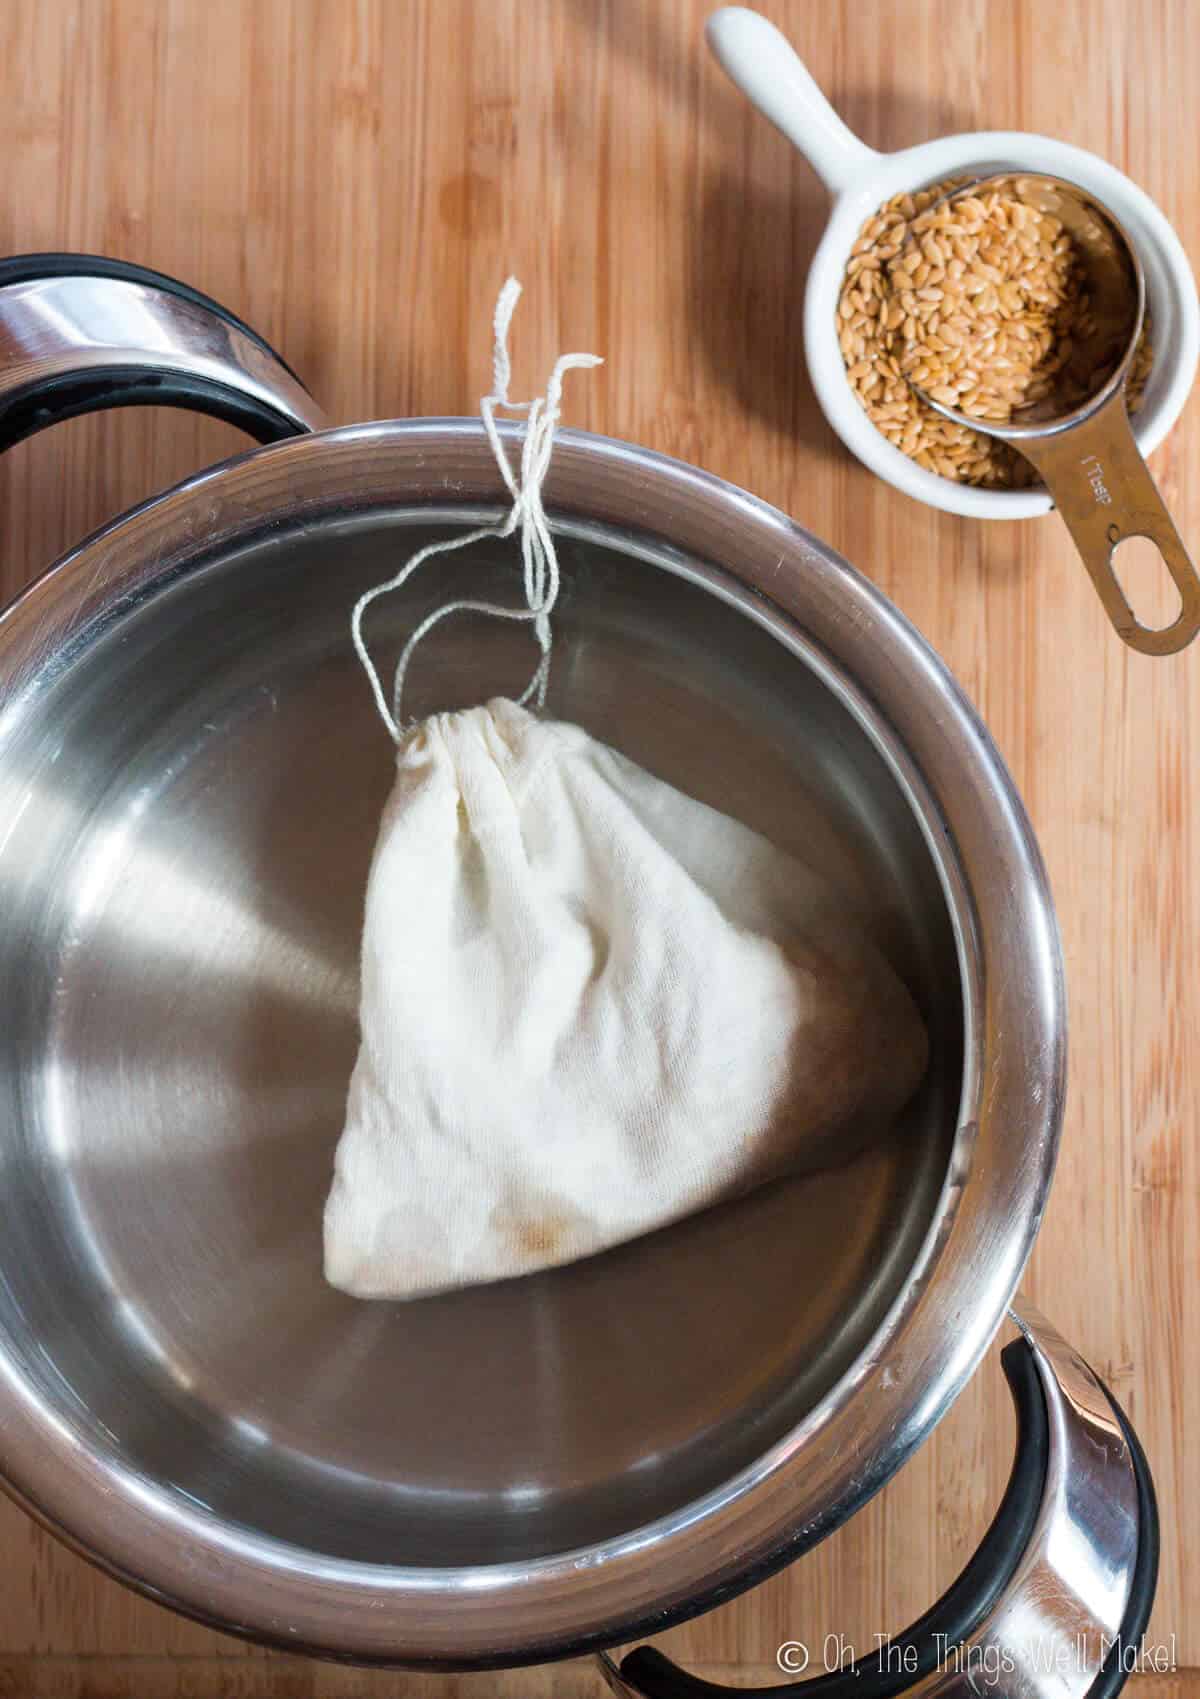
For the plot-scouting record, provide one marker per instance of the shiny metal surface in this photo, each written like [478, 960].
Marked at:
[58, 328]
[1052, 1627]
[190, 782]
[1066, 1603]
[1050, 1631]
[611, 1675]
[1085, 450]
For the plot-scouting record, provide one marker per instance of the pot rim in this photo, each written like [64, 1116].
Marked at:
[1001, 1164]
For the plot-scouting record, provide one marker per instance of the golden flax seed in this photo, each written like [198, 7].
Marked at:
[983, 304]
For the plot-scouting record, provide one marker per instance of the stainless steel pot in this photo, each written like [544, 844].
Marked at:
[190, 781]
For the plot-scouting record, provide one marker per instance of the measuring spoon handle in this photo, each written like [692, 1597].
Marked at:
[1104, 491]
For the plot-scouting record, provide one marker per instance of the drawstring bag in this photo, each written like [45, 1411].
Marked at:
[591, 1005]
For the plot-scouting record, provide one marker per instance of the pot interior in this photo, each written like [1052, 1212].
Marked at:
[190, 805]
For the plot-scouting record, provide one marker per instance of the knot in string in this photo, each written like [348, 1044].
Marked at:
[538, 557]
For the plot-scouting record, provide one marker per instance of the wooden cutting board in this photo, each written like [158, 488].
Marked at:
[355, 177]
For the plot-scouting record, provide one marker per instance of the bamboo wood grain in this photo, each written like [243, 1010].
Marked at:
[181, 1677]
[355, 177]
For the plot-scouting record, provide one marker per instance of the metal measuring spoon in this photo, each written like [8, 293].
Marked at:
[1085, 449]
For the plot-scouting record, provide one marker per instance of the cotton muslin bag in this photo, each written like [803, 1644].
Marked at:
[590, 1004]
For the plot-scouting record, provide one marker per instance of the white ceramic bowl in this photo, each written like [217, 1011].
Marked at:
[761, 61]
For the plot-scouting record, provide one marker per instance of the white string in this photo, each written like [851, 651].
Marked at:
[538, 559]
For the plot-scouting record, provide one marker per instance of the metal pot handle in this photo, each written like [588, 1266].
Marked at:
[1057, 1597]
[79, 333]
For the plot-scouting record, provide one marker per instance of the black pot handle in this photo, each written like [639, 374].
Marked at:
[79, 333]
[1034, 1609]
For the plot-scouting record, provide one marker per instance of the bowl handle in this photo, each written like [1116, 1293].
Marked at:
[79, 333]
[765, 66]
[1057, 1597]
